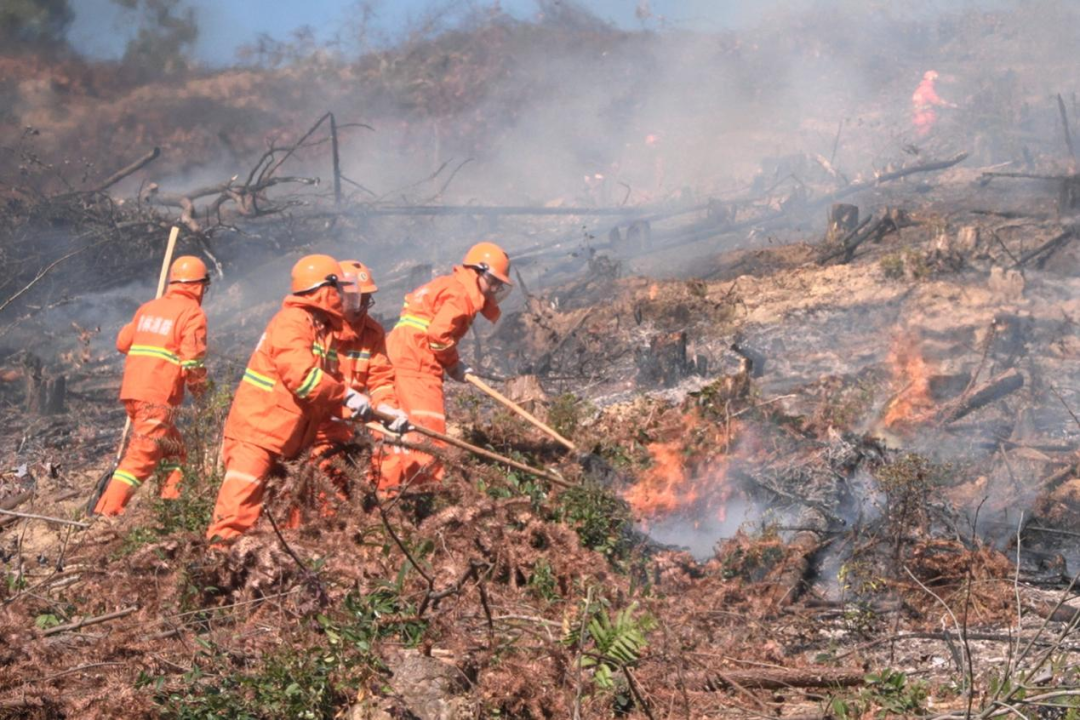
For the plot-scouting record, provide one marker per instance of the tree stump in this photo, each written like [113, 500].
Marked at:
[45, 393]
[1069, 196]
[666, 361]
[639, 235]
[526, 391]
[843, 218]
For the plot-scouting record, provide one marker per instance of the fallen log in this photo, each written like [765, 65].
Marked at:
[705, 229]
[993, 389]
[1047, 247]
[778, 678]
[12, 502]
[86, 622]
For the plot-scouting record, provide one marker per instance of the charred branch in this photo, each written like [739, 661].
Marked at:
[1048, 247]
[992, 390]
[128, 170]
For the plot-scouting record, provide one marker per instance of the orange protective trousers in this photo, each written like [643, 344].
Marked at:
[420, 395]
[154, 438]
[240, 499]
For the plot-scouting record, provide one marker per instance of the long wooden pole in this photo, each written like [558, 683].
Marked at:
[498, 396]
[475, 449]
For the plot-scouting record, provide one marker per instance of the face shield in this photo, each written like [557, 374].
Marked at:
[498, 291]
[350, 299]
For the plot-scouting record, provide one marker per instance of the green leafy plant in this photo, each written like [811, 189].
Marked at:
[889, 692]
[616, 642]
[44, 621]
[565, 412]
[601, 519]
[542, 583]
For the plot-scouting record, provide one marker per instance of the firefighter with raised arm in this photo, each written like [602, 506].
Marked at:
[423, 348]
[165, 345]
[289, 388]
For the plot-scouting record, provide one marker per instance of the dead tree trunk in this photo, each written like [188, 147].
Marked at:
[1069, 196]
[44, 393]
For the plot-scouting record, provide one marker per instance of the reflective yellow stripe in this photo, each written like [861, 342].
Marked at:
[310, 382]
[361, 355]
[192, 364]
[415, 322]
[127, 478]
[170, 466]
[319, 351]
[155, 352]
[242, 477]
[260, 381]
[439, 346]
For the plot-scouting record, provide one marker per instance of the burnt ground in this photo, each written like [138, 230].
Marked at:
[840, 522]
[820, 474]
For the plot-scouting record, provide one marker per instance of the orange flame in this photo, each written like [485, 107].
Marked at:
[911, 377]
[669, 487]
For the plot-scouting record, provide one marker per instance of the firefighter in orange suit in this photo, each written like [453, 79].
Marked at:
[924, 101]
[289, 387]
[363, 365]
[423, 347]
[165, 344]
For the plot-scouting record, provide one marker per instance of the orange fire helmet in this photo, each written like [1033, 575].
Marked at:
[188, 269]
[314, 271]
[489, 257]
[357, 272]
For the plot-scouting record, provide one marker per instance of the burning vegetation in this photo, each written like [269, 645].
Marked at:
[805, 346]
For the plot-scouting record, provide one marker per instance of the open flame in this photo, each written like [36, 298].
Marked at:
[911, 378]
[670, 488]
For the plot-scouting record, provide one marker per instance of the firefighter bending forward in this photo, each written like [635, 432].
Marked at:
[288, 388]
[423, 346]
[165, 344]
[364, 366]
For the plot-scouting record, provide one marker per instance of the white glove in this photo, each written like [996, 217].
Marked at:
[396, 421]
[359, 404]
[458, 371]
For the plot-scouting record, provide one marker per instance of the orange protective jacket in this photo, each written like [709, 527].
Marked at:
[165, 344]
[363, 362]
[435, 318]
[289, 385]
[925, 96]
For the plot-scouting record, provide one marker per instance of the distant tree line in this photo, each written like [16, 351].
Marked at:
[166, 32]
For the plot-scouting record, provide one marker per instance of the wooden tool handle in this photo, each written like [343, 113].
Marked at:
[475, 449]
[498, 396]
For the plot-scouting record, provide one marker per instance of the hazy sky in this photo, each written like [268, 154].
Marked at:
[99, 28]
